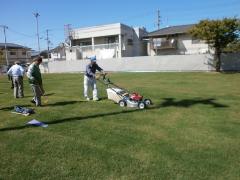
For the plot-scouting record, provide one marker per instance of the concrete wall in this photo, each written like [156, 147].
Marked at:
[231, 62]
[201, 62]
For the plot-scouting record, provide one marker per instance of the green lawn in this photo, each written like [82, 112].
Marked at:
[191, 132]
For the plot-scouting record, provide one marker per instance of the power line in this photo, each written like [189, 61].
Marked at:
[20, 33]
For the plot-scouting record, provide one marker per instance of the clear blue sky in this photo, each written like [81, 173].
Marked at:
[18, 15]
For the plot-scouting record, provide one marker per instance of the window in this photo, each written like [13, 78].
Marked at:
[24, 53]
[130, 42]
[110, 39]
[12, 53]
[157, 42]
[1, 53]
[196, 41]
[86, 43]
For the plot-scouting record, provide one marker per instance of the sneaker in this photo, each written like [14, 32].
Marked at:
[32, 101]
[87, 99]
[96, 99]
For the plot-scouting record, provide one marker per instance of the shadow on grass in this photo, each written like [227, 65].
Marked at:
[64, 103]
[49, 94]
[102, 98]
[12, 107]
[230, 72]
[168, 102]
[186, 103]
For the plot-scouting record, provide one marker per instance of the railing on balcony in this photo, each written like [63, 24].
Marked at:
[164, 43]
[102, 51]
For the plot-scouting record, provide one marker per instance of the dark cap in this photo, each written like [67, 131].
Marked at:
[39, 59]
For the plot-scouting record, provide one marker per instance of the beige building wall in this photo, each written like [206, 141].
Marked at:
[22, 55]
[185, 45]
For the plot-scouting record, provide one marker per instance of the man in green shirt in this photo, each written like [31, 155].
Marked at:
[35, 81]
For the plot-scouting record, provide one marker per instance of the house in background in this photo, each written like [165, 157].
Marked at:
[58, 52]
[107, 41]
[175, 40]
[15, 52]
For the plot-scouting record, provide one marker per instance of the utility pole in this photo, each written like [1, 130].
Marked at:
[48, 42]
[5, 39]
[67, 33]
[158, 19]
[36, 16]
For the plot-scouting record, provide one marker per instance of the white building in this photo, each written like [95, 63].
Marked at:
[107, 41]
[58, 52]
[175, 40]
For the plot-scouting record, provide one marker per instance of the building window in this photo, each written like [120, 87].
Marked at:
[130, 42]
[1, 53]
[12, 53]
[110, 39]
[24, 53]
[196, 41]
[86, 43]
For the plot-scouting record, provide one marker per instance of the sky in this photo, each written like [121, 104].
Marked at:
[54, 14]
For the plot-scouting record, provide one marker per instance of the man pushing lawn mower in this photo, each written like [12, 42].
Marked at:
[90, 78]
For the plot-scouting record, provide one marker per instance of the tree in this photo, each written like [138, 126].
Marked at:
[233, 47]
[218, 34]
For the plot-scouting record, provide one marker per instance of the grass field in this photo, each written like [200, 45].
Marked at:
[191, 132]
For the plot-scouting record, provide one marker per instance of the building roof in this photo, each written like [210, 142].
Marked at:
[12, 45]
[58, 48]
[99, 31]
[100, 26]
[182, 29]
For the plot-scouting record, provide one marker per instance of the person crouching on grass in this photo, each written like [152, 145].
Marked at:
[35, 81]
[90, 78]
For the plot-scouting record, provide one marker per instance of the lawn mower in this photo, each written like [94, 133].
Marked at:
[122, 96]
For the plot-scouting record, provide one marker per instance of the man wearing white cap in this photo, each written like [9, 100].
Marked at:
[90, 78]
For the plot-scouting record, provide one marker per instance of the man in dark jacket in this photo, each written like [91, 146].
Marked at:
[90, 78]
[35, 81]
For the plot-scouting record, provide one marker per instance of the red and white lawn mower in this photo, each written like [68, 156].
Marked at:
[122, 96]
